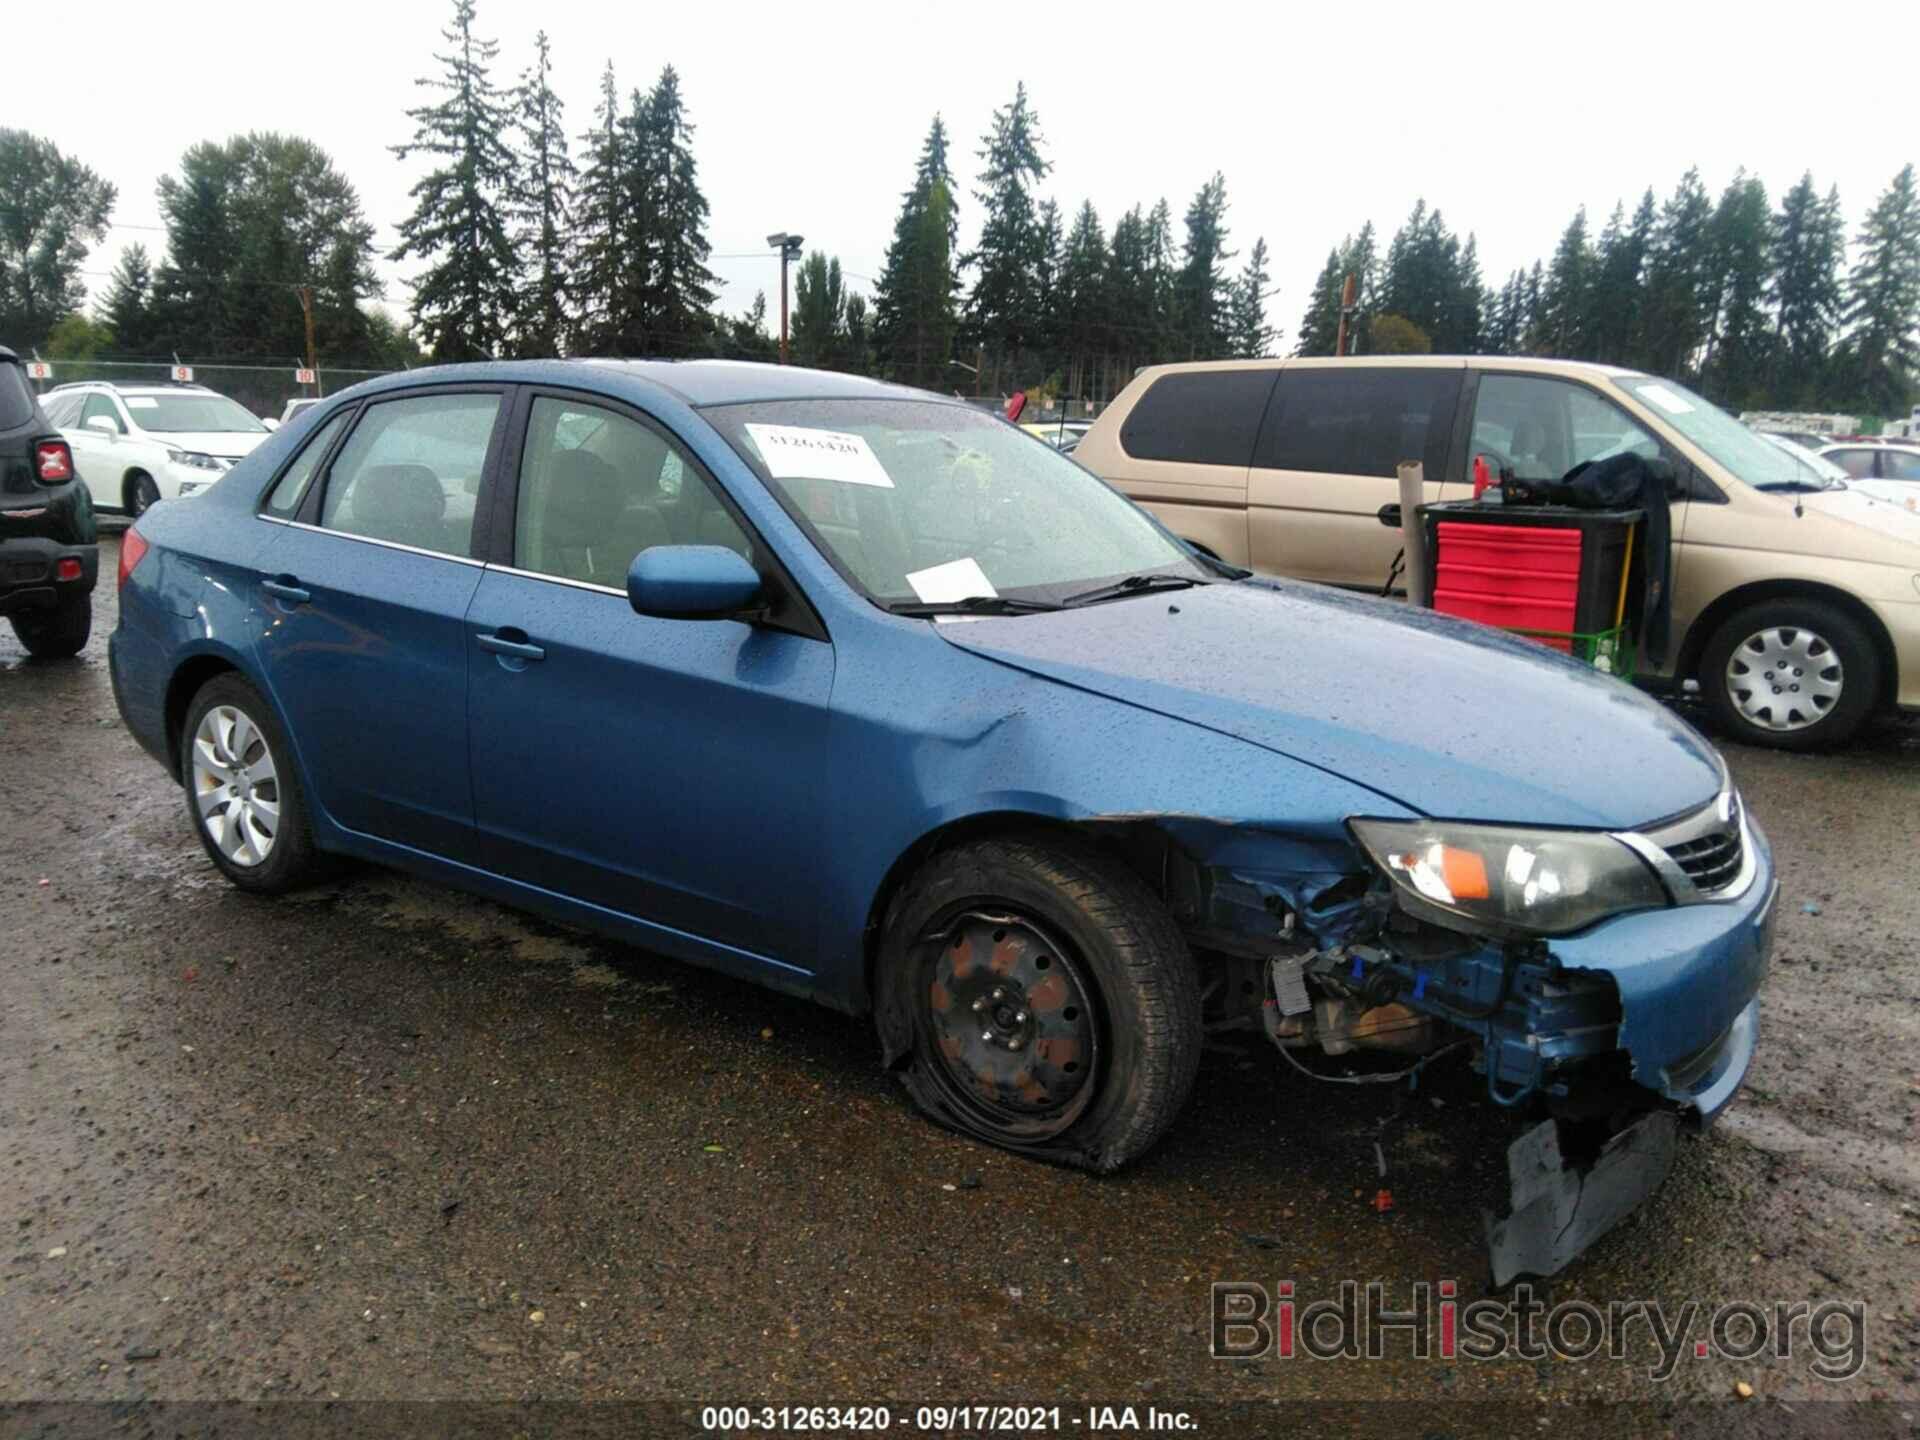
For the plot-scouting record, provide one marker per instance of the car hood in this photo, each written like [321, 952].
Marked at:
[1876, 508]
[230, 444]
[1448, 718]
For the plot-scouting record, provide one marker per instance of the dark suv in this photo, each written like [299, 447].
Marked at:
[48, 555]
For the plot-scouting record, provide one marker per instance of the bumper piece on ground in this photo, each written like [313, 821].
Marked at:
[1560, 1207]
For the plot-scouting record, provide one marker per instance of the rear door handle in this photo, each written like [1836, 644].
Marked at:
[287, 591]
[502, 643]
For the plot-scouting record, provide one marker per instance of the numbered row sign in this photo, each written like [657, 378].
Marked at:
[303, 377]
[183, 374]
[39, 370]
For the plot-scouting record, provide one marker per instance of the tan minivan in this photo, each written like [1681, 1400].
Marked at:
[1796, 606]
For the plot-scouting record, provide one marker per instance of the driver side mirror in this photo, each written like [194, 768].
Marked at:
[691, 582]
[104, 424]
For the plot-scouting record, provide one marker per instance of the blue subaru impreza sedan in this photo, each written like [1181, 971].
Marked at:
[866, 695]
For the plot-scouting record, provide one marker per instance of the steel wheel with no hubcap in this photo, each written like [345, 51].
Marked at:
[1012, 1024]
[1784, 678]
[236, 787]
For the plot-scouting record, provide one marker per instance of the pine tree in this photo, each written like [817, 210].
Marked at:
[1250, 338]
[1162, 315]
[600, 258]
[1614, 309]
[1740, 347]
[1003, 309]
[1566, 299]
[1532, 312]
[1083, 304]
[1461, 326]
[1202, 284]
[1362, 261]
[912, 327]
[1051, 254]
[1884, 305]
[1320, 326]
[463, 300]
[1679, 281]
[1809, 244]
[679, 311]
[127, 307]
[1130, 327]
[542, 205]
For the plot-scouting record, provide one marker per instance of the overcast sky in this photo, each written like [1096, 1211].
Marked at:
[809, 117]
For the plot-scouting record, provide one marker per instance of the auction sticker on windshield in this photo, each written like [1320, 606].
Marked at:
[1665, 399]
[955, 580]
[797, 452]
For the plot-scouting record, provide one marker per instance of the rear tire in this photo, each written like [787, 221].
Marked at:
[243, 794]
[1791, 675]
[1038, 996]
[58, 633]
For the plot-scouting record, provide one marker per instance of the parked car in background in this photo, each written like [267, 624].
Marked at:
[1815, 471]
[1063, 435]
[1886, 470]
[295, 406]
[138, 444]
[851, 691]
[1285, 466]
[48, 555]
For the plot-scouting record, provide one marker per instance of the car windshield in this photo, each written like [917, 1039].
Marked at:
[924, 502]
[186, 413]
[1742, 453]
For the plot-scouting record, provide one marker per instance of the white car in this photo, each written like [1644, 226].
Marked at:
[1885, 471]
[136, 444]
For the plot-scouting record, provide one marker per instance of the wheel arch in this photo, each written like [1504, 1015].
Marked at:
[1701, 633]
[126, 484]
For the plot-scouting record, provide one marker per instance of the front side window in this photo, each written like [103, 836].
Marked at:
[191, 413]
[101, 406]
[920, 501]
[410, 471]
[1540, 428]
[1857, 463]
[1354, 421]
[597, 488]
[1899, 465]
[284, 502]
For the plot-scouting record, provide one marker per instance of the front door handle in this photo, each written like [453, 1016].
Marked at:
[1389, 516]
[503, 643]
[286, 590]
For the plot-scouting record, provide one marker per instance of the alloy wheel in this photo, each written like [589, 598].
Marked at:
[236, 785]
[1784, 678]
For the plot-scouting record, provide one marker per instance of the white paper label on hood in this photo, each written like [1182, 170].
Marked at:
[1665, 399]
[955, 580]
[797, 452]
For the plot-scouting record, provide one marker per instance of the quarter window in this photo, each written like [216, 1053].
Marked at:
[1199, 417]
[284, 502]
[1541, 428]
[410, 471]
[597, 488]
[1899, 465]
[1857, 463]
[1360, 422]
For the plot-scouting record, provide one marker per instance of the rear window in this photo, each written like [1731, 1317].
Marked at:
[16, 401]
[1360, 422]
[1208, 417]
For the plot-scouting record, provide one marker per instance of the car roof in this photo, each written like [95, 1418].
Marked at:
[696, 382]
[1530, 364]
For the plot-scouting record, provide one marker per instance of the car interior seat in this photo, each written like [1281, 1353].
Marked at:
[402, 503]
[593, 527]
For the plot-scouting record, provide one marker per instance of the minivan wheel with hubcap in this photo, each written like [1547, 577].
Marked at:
[1790, 674]
[242, 794]
[1034, 993]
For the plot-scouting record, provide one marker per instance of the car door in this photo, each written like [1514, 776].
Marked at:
[1328, 461]
[364, 596]
[97, 452]
[670, 770]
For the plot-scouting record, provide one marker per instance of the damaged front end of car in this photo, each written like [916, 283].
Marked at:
[1601, 983]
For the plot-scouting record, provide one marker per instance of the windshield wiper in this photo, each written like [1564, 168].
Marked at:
[1132, 585]
[972, 605]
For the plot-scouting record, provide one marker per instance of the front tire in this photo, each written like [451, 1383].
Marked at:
[1038, 996]
[1791, 675]
[243, 795]
[142, 494]
[58, 633]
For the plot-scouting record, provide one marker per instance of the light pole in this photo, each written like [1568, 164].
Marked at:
[789, 248]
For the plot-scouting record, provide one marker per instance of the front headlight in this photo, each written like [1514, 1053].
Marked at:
[1504, 881]
[194, 460]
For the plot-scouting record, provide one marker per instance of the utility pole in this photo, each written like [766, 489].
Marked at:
[306, 309]
[789, 248]
[1346, 308]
